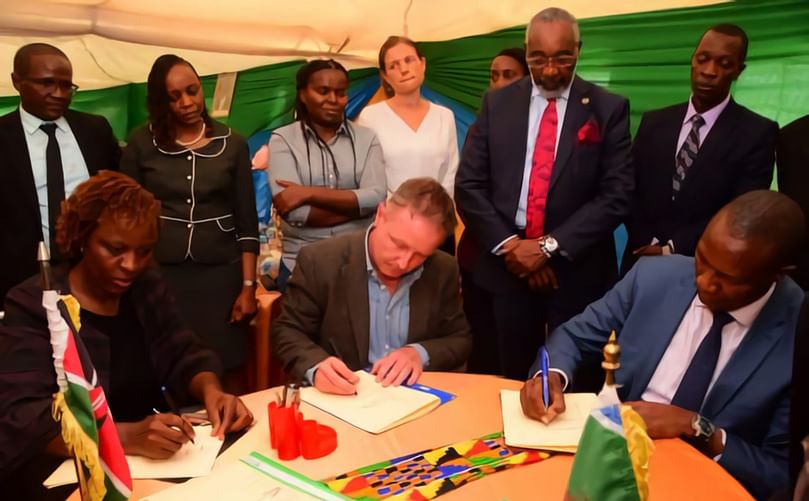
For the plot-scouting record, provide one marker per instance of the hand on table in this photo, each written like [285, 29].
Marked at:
[333, 376]
[531, 398]
[156, 437]
[226, 412]
[398, 366]
[663, 420]
[523, 257]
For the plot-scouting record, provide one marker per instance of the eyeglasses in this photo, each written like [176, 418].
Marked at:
[560, 61]
[50, 84]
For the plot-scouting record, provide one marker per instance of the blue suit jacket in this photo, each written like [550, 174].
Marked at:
[751, 398]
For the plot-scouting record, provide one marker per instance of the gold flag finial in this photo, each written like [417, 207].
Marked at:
[612, 359]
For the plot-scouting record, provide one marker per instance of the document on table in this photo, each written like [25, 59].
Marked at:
[374, 408]
[192, 460]
[234, 482]
[562, 434]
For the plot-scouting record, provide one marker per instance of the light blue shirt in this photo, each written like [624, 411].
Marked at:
[389, 315]
[537, 108]
[74, 167]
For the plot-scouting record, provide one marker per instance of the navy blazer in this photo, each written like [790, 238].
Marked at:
[589, 194]
[20, 225]
[737, 156]
[750, 399]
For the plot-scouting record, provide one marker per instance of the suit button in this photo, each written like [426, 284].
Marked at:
[188, 177]
[189, 157]
[188, 200]
[189, 225]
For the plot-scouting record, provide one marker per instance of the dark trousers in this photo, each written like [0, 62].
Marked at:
[477, 305]
[521, 321]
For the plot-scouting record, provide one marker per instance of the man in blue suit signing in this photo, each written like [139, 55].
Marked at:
[706, 342]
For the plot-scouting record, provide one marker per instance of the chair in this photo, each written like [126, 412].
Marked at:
[262, 372]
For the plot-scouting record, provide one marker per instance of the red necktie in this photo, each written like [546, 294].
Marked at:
[541, 168]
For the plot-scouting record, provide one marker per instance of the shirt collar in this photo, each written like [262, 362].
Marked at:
[709, 116]
[406, 279]
[536, 90]
[343, 129]
[31, 123]
[746, 315]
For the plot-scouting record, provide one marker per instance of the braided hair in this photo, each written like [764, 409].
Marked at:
[302, 79]
[107, 194]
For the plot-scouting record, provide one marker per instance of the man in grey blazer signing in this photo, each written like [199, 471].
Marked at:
[384, 299]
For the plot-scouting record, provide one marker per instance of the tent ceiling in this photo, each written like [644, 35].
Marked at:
[111, 42]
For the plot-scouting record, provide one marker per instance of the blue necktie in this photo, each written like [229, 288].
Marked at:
[698, 377]
[686, 155]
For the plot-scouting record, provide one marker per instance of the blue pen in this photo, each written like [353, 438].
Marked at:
[544, 363]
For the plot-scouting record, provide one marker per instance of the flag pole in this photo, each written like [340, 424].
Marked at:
[612, 359]
[44, 259]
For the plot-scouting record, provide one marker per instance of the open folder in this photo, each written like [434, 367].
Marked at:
[192, 460]
[374, 408]
[562, 434]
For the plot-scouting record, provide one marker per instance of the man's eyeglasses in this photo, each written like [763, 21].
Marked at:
[559, 61]
[51, 84]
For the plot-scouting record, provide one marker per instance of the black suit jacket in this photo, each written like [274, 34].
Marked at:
[20, 225]
[589, 196]
[793, 180]
[737, 156]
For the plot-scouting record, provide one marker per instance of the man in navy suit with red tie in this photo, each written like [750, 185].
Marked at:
[693, 158]
[544, 180]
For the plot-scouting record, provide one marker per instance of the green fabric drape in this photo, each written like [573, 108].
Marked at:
[647, 57]
[644, 56]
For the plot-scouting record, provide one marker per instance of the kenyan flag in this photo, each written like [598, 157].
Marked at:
[80, 405]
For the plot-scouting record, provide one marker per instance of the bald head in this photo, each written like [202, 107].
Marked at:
[22, 59]
[768, 217]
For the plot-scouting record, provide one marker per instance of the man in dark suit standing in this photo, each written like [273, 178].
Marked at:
[693, 158]
[792, 153]
[47, 150]
[544, 180]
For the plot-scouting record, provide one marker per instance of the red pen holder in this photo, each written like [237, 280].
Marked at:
[292, 436]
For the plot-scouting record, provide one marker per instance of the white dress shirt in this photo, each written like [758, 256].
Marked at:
[74, 167]
[429, 151]
[683, 346]
[710, 117]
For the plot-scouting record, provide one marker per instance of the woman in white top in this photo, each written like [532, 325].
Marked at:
[418, 137]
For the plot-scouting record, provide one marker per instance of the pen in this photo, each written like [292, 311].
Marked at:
[544, 365]
[337, 354]
[174, 409]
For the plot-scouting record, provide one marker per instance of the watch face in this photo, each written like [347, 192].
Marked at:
[551, 244]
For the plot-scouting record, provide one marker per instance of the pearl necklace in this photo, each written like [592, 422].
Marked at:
[195, 140]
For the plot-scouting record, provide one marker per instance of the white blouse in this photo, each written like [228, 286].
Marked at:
[430, 151]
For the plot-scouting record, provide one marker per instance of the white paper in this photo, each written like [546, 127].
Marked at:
[564, 431]
[192, 460]
[374, 408]
[234, 482]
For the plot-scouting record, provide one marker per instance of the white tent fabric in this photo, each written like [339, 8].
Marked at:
[111, 42]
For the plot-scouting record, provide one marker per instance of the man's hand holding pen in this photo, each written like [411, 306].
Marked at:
[533, 404]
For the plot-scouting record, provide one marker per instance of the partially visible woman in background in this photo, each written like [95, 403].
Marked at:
[327, 175]
[507, 66]
[200, 171]
[418, 137]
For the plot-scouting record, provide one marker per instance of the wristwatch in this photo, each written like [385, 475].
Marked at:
[703, 428]
[548, 245]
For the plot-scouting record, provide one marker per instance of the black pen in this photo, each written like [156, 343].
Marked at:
[174, 410]
[337, 353]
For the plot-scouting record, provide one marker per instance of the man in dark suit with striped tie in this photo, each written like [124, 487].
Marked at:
[47, 150]
[693, 158]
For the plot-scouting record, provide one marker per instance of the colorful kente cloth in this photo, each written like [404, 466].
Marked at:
[429, 474]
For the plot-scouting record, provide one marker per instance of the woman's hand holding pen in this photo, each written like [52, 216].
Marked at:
[333, 376]
[157, 437]
[532, 403]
